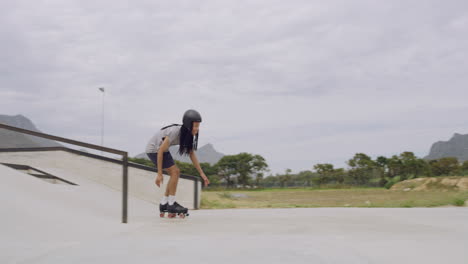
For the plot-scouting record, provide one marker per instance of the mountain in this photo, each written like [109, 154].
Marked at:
[207, 153]
[457, 147]
[11, 139]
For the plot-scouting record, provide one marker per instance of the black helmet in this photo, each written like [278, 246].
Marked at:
[191, 116]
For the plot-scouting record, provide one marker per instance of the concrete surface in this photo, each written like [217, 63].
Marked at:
[277, 236]
[46, 223]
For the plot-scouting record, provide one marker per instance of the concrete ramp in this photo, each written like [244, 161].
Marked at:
[105, 171]
[39, 217]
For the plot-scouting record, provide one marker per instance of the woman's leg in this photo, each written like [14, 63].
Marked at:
[167, 188]
[171, 188]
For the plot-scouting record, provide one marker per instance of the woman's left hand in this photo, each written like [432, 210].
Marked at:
[206, 182]
[205, 179]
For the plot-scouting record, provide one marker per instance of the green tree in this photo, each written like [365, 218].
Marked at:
[325, 173]
[382, 166]
[411, 166]
[339, 175]
[259, 179]
[394, 165]
[285, 179]
[243, 165]
[208, 169]
[362, 169]
[464, 165]
[444, 166]
[464, 168]
[271, 181]
[227, 168]
[305, 177]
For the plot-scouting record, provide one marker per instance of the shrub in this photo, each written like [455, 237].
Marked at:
[389, 185]
[392, 181]
[458, 202]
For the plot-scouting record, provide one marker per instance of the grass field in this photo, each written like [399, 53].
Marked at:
[355, 197]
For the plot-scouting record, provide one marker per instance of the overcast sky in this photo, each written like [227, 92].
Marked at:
[298, 82]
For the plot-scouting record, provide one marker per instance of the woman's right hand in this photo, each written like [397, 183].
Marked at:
[159, 179]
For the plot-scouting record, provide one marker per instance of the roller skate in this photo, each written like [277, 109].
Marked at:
[177, 210]
[163, 209]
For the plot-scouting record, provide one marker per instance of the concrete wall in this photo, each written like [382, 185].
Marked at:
[141, 182]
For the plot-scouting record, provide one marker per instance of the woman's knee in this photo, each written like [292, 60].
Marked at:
[174, 172]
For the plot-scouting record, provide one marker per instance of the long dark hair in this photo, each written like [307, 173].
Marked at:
[188, 142]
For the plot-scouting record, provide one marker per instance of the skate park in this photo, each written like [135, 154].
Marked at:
[55, 222]
[340, 126]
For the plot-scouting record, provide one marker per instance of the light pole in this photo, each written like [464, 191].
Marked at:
[102, 118]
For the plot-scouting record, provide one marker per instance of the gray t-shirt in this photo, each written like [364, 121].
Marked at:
[155, 142]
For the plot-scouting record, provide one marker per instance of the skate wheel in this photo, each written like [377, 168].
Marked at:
[172, 215]
[161, 215]
[182, 216]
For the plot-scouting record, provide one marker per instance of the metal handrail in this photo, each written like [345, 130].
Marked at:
[92, 146]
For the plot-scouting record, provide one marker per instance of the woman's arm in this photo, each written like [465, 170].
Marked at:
[195, 162]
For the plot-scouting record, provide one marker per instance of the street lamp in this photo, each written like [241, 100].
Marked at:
[102, 118]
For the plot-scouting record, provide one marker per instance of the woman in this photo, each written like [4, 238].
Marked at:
[186, 136]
